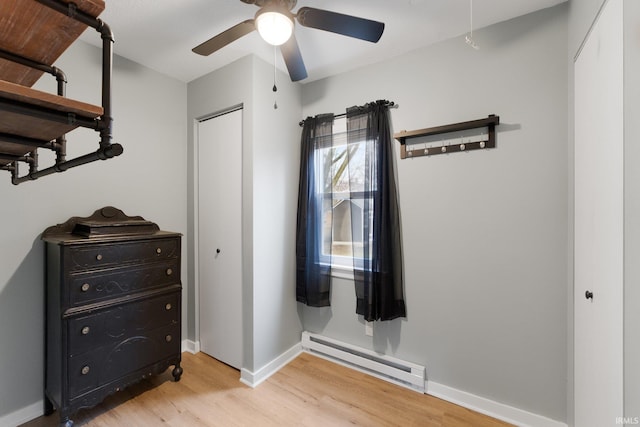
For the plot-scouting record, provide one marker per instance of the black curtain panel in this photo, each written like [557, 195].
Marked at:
[313, 268]
[378, 273]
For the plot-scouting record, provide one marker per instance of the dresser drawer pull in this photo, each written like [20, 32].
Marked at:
[169, 272]
[159, 251]
[168, 306]
[85, 370]
[85, 330]
[168, 338]
[99, 257]
[85, 287]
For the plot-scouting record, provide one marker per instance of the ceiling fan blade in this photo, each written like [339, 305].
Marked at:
[347, 25]
[293, 59]
[225, 37]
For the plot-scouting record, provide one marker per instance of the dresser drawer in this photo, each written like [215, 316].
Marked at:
[89, 287]
[110, 362]
[97, 256]
[112, 325]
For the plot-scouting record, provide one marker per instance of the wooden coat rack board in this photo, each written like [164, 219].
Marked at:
[490, 142]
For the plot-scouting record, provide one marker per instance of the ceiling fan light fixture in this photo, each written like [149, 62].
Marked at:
[274, 26]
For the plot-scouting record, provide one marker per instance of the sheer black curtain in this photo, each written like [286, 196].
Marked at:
[378, 275]
[313, 275]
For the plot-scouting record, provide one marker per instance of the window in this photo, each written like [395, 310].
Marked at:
[342, 169]
[346, 171]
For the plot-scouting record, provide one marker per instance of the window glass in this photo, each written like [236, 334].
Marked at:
[344, 170]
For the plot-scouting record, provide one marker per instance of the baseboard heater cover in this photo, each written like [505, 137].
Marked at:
[385, 367]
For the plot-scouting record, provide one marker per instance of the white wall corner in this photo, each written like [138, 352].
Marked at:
[192, 347]
[23, 415]
[253, 379]
[491, 408]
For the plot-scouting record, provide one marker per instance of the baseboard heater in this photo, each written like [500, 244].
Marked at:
[385, 367]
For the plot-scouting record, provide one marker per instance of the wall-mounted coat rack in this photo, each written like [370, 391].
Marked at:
[490, 141]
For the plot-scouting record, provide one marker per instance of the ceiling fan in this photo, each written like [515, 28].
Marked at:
[275, 22]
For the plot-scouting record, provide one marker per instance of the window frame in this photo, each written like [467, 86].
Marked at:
[342, 266]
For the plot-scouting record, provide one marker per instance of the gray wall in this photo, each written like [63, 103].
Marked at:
[270, 167]
[276, 167]
[148, 179]
[486, 255]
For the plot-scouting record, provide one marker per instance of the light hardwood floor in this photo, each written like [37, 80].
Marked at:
[309, 391]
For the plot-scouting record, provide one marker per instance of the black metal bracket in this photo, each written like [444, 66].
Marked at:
[490, 142]
[103, 124]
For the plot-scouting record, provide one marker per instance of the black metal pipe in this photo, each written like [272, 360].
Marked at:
[106, 120]
[61, 78]
[14, 173]
[102, 153]
[33, 165]
[61, 149]
[72, 11]
[27, 62]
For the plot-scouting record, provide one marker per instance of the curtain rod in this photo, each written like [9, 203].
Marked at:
[389, 104]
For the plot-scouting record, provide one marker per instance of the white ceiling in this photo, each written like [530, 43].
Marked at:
[161, 33]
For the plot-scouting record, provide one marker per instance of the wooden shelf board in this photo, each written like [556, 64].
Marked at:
[33, 30]
[27, 95]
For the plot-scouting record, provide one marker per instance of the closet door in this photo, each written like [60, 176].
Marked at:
[220, 237]
[598, 268]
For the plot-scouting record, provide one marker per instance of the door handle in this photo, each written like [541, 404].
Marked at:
[588, 295]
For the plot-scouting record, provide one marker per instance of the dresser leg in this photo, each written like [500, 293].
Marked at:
[65, 422]
[177, 372]
[48, 405]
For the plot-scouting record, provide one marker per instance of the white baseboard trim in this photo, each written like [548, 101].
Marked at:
[491, 408]
[23, 415]
[253, 379]
[192, 347]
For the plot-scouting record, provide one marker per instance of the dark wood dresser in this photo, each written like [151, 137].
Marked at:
[113, 307]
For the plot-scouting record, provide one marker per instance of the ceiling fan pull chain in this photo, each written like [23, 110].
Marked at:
[275, 88]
